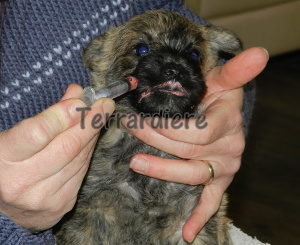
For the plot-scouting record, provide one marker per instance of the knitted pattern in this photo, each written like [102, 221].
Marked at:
[42, 43]
[13, 234]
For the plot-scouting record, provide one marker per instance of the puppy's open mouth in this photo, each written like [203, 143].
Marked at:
[169, 87]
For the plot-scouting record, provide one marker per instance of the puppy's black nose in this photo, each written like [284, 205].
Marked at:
[171, 72]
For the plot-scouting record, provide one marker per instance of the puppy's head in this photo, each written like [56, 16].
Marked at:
[167, 53]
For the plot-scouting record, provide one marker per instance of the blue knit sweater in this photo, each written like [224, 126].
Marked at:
[42, 43]
[41, 47]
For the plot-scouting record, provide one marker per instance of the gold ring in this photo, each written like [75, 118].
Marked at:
[211, 171]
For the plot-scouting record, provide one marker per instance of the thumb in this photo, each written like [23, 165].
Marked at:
[238, 71]
[73, 91]
[33, 134]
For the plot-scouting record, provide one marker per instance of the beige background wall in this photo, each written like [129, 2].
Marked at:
[273, 24]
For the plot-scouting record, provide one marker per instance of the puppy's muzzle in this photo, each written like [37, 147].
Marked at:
[172, 72]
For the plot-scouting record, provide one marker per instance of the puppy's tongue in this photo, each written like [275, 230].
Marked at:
[169, 87]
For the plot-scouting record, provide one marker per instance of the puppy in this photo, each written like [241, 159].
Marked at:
[170, 56]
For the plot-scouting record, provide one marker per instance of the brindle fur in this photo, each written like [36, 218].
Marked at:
[115, 205]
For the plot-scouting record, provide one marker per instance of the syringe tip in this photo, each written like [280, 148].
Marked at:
[88, 96]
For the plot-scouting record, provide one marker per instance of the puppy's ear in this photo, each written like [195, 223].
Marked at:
[93, 52]
[225, 43]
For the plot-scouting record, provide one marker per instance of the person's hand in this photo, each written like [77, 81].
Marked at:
[221, 142]
[44, 159]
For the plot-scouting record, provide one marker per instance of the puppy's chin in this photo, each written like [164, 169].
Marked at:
[165, 104]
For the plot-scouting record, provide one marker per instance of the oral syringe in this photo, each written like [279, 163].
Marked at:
[90, 95]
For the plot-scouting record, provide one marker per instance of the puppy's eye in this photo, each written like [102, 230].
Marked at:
[194, 55]
[141, 50]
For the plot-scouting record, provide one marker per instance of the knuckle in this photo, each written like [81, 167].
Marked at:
[41, 200]
[57, 209]
[36, 200]
[8, 196]
[84, 155]
[235, 166]
[11, 192]
[69, 206]
[71, 145]
[214, 209]
[237, 146]
[36, 203]
[237, 122]
[239, 119]
[189, 151]
[196, 177]
[67, 112]
[37, 133]
[206, 136]
[62, 205]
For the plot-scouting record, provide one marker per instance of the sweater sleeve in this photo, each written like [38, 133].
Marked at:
[13, 234]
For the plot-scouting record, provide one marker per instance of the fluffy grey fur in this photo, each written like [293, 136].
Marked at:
[116, 205]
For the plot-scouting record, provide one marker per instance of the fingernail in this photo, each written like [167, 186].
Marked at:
[67, 90]
[139, 165]
[124, 121]
[190, 240]
[266, 51]
[108, 106]
[189, 236]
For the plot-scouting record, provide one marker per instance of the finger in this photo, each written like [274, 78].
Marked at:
[177, 148]
[33, 134]
[73, 91]
[72, 187]
[43, 198]
[220, 118]
[59, 179]
[69, 191]
[229, 145]
[149, 136]
[238, 71]
[180, 171]
[208, 205]
[71, 169]
[66, 146]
